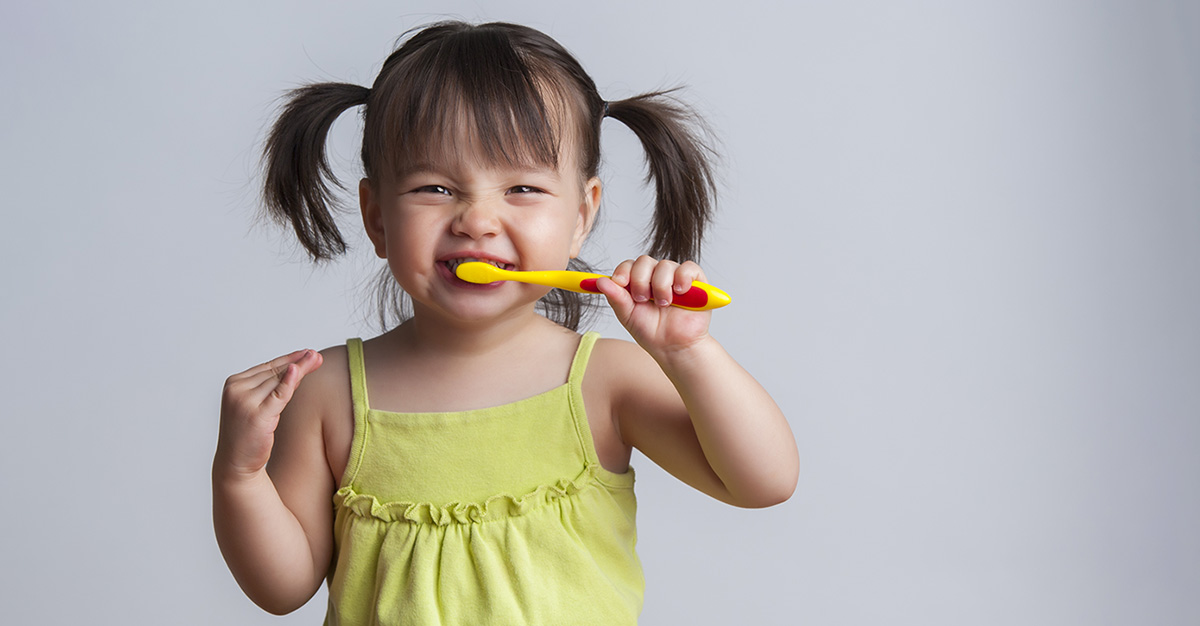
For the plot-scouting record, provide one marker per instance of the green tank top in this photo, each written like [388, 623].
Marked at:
[492, 516]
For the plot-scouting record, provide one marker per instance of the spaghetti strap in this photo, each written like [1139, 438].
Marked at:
[583, 429]
[582, 354]
[358, 377]
[358, 398]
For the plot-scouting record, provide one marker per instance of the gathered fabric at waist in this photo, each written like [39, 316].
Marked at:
[562, 554]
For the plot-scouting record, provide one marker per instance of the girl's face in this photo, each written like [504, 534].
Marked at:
[523, 218]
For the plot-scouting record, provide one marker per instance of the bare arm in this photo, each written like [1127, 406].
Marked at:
[273, 524]
[700, 416]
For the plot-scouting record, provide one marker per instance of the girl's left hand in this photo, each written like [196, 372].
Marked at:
[640, 293]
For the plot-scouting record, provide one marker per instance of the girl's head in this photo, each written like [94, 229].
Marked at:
[499, 94]
[503, 93]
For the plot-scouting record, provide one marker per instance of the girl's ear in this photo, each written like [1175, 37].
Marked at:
[592, 190]
[372, 217]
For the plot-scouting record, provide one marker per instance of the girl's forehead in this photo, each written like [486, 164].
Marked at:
[486, 113]
[465, 147]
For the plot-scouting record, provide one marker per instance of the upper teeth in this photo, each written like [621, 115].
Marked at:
[454, 263]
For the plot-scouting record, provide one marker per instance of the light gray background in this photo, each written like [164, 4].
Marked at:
[963, 241]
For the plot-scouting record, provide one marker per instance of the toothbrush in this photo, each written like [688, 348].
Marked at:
[701, 297]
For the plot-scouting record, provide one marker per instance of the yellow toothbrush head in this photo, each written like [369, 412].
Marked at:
[479, 272]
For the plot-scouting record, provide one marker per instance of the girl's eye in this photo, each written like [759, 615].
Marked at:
[524, 189]
[438, 189]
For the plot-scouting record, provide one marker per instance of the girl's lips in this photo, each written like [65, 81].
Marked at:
[449, 262]
[445, 271]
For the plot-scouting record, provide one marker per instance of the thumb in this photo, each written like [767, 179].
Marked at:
[290, 380]
[618, 298]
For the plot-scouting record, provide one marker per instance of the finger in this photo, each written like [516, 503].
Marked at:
[278, 365]
[662, 282]
[281, 395]
[272, 370]
[639, 278]
[620, 275]
[687, 273]
[270, 367]
[276, 387]
[309, 363]
[618, 298]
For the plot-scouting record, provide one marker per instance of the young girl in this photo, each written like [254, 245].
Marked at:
[470, 465]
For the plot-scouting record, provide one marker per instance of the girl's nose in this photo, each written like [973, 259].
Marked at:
[477, 219]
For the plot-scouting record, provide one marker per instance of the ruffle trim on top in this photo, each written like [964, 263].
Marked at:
[496, 507]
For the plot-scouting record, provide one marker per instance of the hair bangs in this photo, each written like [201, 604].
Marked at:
[472, 95]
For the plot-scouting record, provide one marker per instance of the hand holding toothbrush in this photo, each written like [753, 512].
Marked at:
[651, 298]
[640, 293]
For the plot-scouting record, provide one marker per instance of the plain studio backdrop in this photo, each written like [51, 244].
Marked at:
[963, 241]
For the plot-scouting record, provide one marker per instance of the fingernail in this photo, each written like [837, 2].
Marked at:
[640, 298]
[663, 302]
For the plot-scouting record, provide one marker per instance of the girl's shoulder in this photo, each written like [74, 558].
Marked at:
[608, 352]
[619, 355]
[329, 385]
[324, 392]
[323, 404]
[622, 370]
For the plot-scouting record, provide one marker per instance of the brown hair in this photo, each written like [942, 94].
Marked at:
[515, 91]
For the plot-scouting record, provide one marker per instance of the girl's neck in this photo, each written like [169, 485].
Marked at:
[421, 366]
[430, 334]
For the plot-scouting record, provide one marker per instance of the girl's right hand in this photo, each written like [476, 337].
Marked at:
[250, 407]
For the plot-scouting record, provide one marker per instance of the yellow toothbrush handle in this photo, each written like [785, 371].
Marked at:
[701, 297]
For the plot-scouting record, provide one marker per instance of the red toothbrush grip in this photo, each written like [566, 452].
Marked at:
[695, 297]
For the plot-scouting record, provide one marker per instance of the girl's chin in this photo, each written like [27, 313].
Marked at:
[479, 302]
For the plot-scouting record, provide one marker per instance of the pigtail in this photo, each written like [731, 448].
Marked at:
[299, 183]
[567, 308]
[678, 163]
